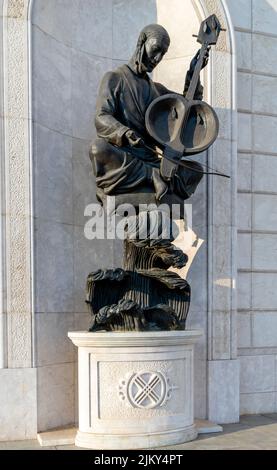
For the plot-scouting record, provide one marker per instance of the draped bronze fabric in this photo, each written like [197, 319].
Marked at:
[123, 99]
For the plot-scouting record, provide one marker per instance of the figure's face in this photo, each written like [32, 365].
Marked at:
[154, 52]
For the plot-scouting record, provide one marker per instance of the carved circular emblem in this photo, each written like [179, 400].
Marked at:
[147, 389]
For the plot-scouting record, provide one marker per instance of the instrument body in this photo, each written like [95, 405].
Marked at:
[181, 125]
[187, 126]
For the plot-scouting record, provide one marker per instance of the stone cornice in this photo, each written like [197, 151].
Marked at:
[134, 339]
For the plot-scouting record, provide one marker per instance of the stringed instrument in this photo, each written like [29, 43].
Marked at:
[179, 124]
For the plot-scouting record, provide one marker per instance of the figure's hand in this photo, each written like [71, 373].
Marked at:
[206, 57]
[132, 139]
[195, 59]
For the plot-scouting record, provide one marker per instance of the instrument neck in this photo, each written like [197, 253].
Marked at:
[195, 77]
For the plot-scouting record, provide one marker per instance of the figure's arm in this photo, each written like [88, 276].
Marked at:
[106, 124]
[199, 89]
[198, 95]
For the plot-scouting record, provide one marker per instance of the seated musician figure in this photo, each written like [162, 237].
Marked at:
[123, 155]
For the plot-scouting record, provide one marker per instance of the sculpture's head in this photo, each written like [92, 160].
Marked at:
[153, 43]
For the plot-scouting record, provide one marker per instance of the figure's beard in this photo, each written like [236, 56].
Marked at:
[146, 67]
[144, 64]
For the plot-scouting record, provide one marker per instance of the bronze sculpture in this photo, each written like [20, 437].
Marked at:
[120, 159]
[134, 115]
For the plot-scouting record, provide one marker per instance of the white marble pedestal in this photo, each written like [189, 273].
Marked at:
[135, 389]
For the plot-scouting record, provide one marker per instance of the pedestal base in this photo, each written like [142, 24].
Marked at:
[135, 389]
[136, 441]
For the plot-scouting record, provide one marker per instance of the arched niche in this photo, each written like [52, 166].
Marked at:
[55, 53]
[212, 274]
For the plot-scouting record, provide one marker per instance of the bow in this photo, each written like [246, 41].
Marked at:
[184, 163]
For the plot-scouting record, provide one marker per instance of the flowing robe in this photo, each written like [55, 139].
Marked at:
[123, 99]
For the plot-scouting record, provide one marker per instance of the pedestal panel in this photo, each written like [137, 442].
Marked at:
[135, 389]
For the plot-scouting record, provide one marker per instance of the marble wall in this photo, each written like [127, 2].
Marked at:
[66, 66]
[255, 25]
[74, 42]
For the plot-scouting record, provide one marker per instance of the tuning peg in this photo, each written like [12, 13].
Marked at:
[195, 36]
[223, 29]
